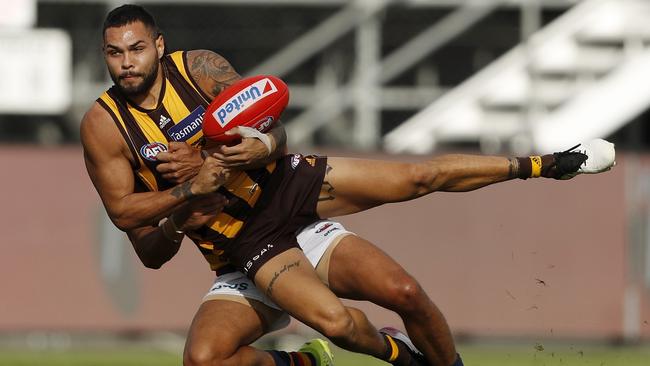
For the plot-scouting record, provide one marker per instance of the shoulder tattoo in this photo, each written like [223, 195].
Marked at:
[215, 69]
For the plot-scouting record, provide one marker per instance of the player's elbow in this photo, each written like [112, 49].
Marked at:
[152, 263]
[149, 255]
[124, 223]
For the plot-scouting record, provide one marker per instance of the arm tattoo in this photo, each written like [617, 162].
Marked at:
[327, 189]
[513, 169]
[279, 135]
[285, 268]
[215, 69]
[183, 191]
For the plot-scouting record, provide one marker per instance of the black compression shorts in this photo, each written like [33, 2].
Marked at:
[287, 204]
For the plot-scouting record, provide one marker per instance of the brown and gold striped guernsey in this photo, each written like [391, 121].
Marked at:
[178, 117]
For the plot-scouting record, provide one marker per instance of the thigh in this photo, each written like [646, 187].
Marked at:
[359, 270]
[353, 185]
[291, 282]
[235, 285]
[222, 325]
[317, 242]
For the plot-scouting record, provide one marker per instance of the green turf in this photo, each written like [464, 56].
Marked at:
[88, 358]
[551, 355]
[531, 355]
[525, 355]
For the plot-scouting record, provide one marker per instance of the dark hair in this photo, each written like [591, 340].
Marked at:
[129, 13]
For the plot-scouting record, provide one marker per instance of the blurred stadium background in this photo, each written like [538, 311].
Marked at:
[527, 274]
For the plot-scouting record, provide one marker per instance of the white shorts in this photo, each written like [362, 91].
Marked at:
[314, 241]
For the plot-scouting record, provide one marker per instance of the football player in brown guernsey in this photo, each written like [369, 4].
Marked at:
[252, 221]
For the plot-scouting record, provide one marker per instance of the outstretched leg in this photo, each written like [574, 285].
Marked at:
[353, 185]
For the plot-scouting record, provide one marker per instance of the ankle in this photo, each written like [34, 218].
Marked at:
[397, 353]
[532, 166]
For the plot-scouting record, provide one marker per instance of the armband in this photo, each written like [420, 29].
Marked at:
[171, 231]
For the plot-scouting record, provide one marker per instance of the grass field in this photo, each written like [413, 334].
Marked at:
[503, 355]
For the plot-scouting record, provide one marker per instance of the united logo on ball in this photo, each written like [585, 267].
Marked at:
[256, 102]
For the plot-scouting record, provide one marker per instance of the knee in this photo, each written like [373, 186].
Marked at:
[337, 324]
[405, 295]
[202, 355]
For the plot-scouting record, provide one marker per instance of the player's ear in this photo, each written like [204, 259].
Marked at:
[160, 45]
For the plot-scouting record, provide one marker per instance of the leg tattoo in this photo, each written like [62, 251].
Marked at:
[327, 189]
[276, 275]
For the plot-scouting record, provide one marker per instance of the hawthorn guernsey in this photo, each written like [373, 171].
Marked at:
[255, 102]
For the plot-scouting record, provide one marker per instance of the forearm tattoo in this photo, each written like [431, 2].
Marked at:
[276, 275]
[513, 169]
[209, 66]
[327, 189]
[279, 136]
[183, 191]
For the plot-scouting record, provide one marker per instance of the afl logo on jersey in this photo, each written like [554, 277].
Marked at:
[149, 151]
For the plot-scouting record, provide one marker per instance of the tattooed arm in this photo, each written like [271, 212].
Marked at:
[213, 74]
[157, 245]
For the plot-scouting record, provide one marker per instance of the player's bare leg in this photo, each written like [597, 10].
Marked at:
[221, 327]
[284, 279]
[353, 185]
[381, 280]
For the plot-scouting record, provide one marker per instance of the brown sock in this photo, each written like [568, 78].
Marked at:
[397, 353]
[532, 166]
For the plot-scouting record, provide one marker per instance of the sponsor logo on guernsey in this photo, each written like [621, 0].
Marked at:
[243, 100]
[249, 264]
[149, 151]
[164, 120]
[188, 126]
[295, 160]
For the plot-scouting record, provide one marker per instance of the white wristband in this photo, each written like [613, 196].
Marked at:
[251, 132]
[171, 231]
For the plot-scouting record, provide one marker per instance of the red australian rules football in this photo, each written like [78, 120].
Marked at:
[256, 101]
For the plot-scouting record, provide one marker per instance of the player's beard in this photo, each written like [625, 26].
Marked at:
[134, 90]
